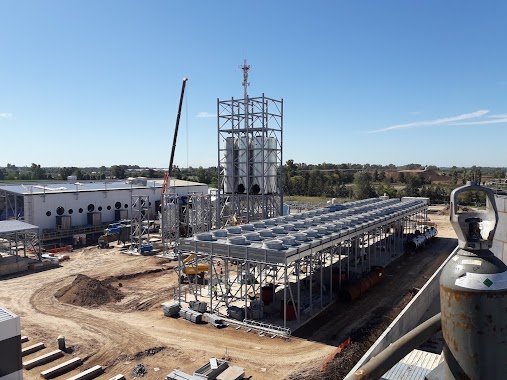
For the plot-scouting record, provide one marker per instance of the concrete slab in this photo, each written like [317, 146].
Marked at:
[43, 359]
[61, 368]
[90, 373]
[33, 348]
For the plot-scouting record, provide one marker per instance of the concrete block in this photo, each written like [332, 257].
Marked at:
[31, 349]
[118, 377]
[61, 368]
[90, 373]
[43, 359]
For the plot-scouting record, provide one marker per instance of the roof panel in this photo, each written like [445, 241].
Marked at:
[11, 226]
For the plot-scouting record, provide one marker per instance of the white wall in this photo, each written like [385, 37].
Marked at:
[76, 200]
[99, 198]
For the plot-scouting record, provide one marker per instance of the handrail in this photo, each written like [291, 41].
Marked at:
[384, 361]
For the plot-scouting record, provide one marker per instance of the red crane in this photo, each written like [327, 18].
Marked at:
[168, 173]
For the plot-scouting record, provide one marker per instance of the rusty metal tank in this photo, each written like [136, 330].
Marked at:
[473, 297]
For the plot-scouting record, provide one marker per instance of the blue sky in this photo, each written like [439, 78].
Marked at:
[90, 83]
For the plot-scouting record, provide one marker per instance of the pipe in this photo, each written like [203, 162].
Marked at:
[415, 242]
[384, 361]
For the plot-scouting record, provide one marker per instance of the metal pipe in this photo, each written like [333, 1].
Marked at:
[384, 361]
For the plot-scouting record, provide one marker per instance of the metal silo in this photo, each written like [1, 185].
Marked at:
[229, 158]
[271, 154]
[243, 164]
[258, 165]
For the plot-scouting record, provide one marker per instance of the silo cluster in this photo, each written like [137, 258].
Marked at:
[250, 165]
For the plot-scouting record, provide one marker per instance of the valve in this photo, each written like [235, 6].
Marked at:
[475, 229]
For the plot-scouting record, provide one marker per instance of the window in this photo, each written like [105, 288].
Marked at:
[60, 210]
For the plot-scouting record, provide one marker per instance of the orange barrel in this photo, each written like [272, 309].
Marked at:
[351, 292]
[375, 276]
[291, 310]
[336, 278]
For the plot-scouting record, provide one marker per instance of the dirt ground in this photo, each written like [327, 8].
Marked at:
[132, 331]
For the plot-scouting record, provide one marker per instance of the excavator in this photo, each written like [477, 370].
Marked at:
[191, 270]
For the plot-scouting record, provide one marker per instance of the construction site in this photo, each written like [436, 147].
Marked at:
[172, 280]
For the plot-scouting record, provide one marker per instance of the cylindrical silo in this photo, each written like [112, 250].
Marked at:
[258, 160]
[271, 166]
[229, 165]
[243, 164]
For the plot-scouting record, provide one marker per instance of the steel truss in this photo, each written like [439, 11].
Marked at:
[250, 140]
[185, 216]
[12, 206]
[308, 277]
[140, 223]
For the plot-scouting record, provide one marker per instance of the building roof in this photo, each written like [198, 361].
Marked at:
[11, 226]
[66, 187]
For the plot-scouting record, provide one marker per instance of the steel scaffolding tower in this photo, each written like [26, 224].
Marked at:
[140, 235]
[185, 216]
[250, 140]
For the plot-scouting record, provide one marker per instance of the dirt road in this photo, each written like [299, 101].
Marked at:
[122, 335]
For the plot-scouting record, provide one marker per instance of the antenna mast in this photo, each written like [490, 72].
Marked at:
[246, 83]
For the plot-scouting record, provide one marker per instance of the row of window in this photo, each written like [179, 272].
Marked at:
[91, 207]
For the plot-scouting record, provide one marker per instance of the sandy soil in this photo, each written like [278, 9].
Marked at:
[121, 335]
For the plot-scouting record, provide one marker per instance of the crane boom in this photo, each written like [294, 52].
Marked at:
[167, 175]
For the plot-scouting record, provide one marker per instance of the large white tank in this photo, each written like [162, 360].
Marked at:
[243, 164]
[271, 154]
[258, 165]
[229, 158]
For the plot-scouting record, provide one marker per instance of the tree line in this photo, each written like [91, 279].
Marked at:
[345, 180]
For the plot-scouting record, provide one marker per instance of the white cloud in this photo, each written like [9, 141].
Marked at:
[206, 114]
[429, 123]
[6, 115]
[498, 116]
[493, 121]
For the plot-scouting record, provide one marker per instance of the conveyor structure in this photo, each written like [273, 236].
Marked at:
[282, 270]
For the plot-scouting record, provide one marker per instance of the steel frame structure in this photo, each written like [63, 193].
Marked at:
[23, 237]
[186, 216]
[251, 119]
[140, 223]
[351, 239]
[12, 206]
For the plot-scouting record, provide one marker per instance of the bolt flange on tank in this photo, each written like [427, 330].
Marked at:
[473, 296]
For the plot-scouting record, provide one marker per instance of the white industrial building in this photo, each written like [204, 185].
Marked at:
[65, 209]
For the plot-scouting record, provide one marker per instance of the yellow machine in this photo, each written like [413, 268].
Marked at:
[193, 269]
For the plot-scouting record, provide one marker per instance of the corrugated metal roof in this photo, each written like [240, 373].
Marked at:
[10, 226]
[63, 187]
[414, 366]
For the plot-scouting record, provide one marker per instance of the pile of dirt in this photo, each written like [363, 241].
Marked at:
[87, 291]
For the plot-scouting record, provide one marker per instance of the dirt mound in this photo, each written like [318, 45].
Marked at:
[87, 291]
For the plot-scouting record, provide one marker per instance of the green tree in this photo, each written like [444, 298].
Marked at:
[362, 186]
[37, 172]
[118, 171]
